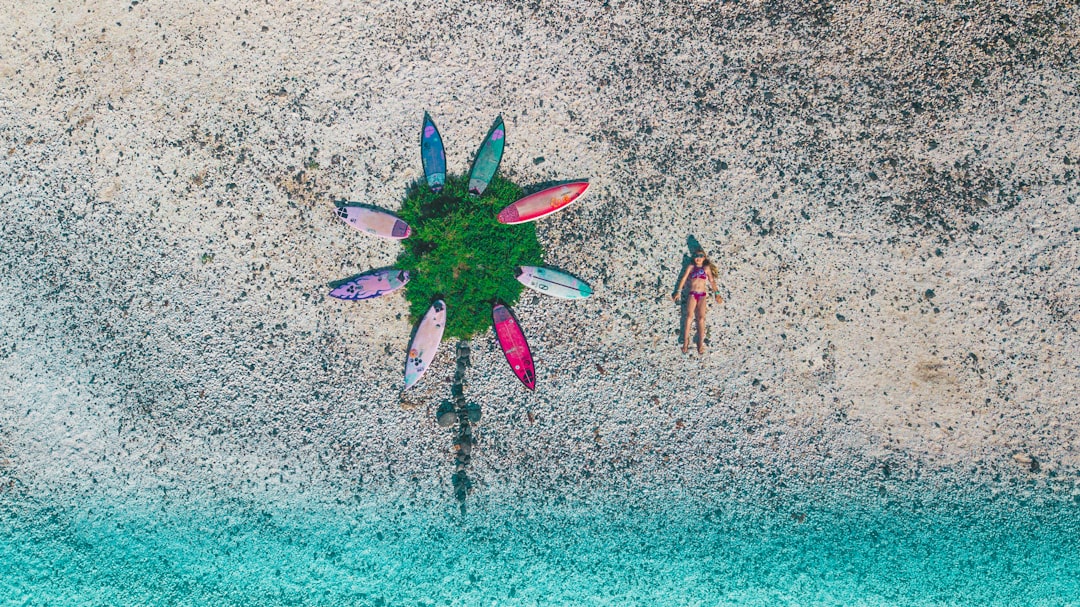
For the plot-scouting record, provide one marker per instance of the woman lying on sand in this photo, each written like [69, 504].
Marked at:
[702, 274]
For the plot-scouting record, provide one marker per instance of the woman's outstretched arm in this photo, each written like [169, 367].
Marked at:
[682, 282]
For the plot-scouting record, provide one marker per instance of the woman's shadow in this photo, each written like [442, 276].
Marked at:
[692, 246]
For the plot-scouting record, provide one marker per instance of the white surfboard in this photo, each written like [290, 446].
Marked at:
[553, 282]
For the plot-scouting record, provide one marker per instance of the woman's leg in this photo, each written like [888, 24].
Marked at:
[691, 303]
[702, 307]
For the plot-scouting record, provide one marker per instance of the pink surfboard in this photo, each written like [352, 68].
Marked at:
[369, 285]
[375, 222]
[514, 346]
[425, 343]
[543, 203]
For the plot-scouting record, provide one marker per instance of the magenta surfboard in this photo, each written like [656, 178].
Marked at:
[543, 203]
[514, 346]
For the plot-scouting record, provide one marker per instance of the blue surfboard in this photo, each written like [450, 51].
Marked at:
[432, 155]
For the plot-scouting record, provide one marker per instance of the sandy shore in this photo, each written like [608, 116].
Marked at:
[889, 190]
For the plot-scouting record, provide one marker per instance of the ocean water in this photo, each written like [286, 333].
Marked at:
[381, 551]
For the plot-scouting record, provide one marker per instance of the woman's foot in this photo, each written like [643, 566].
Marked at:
[701, 350]
[686, 349]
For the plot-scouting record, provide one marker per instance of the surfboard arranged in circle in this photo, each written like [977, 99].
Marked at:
[543, 203]
[425, 343]
[369, 284]
[556, 283]
[374, 221]
[432, 155]
[487, 158]
[514, 346]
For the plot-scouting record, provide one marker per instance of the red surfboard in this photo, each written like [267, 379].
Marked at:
[542, 203]
[514, 346]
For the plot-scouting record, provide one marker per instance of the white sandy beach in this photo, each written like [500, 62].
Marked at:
[889, 190]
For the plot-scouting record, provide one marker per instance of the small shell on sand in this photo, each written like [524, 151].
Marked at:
[1030, 461]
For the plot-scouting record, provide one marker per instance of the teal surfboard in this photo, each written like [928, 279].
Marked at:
[487, 158]
[432, 155]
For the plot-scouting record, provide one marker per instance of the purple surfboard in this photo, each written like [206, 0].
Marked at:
[369, 284]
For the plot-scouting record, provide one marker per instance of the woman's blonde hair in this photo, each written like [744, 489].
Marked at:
[709, 266]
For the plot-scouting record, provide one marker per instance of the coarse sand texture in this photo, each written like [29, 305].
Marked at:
[887, 413]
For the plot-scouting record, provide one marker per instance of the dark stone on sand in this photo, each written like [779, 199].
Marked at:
[538, 160]
[445, 415]
[929, 294]
[472, 410]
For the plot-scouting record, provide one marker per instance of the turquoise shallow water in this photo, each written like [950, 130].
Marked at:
[735, 552]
